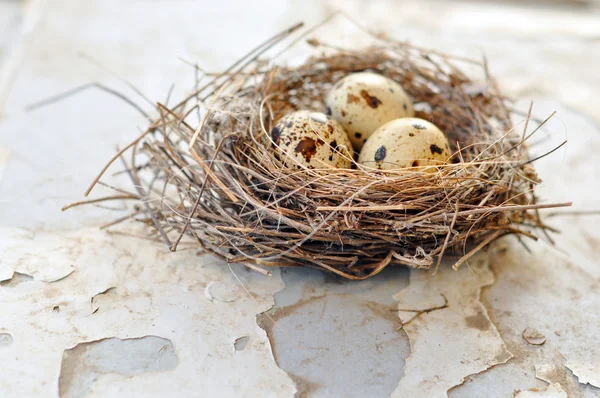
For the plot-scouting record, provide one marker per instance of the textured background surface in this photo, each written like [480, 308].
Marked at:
[86, 313]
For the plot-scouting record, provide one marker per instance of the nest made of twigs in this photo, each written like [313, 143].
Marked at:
[214, 178]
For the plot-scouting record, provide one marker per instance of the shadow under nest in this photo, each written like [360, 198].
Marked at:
[206, 169]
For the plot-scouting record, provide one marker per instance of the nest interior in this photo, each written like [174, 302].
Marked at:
[205, 169]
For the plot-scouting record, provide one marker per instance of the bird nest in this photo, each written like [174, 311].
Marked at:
[205, 169]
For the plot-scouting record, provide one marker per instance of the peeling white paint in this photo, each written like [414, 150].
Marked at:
[338, 338]
[542, 291]
[45, 260]
[533, 337]
[6, 339]
[553, 290]
[217, 291]
[155, 293]
[587, 373]
[546, 372]
[240, 343]
[451, 343]
[6, 272]
[552, 391]
[87, 362]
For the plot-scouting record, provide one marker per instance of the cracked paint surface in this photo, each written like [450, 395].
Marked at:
[43, 260]
[454, 341]
[587, 373]
[138, 289]
[123, 288]
[338, 338]
[85, 363]
[552, 290]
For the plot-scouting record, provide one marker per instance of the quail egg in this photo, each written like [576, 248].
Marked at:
[311, 139]
[362, 102]
[406, 142]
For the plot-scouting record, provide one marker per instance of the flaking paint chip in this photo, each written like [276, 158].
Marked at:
[224, 293]
[240, 343]
[165, 298]
[6, 339]
[457, 330]
[533, 337]
[85, 363]
[587, 373]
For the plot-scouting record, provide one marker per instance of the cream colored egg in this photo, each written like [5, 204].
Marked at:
[406, 142]
[362, 102]
[311, 139]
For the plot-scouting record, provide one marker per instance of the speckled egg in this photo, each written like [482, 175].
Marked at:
[406, 142]
[362, 102]
[311, 139]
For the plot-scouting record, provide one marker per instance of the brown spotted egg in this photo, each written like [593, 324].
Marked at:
[311, 139]
[406, 142]
[362, 102]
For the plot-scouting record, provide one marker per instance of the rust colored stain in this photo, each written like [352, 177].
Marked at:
[308, 147]
[478, 321]
[352, 99]
[373, 102]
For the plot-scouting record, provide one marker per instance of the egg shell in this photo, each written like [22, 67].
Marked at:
[362, 102]
[311, 139]
[406, 142]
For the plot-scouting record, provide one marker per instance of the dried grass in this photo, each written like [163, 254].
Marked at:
[216, 180]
